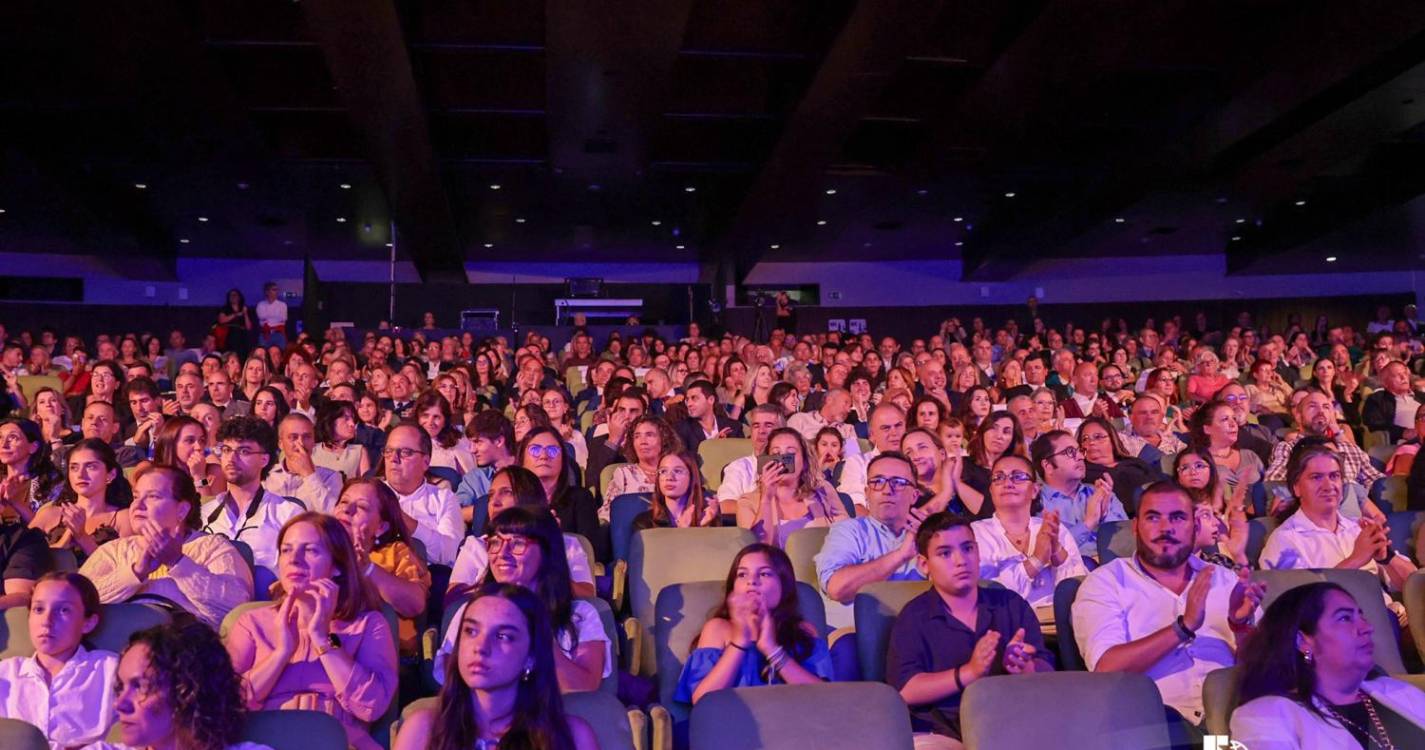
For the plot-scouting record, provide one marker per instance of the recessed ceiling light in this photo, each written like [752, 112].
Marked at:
[865, 244]
[489, 244]
[959, 218]
[494, 186]
[1009, 195]
[202, 218]
[680, 247]
[922, 191]
[346, 186]
[656, 223]
[774, 247]
[185, 240]
[1236, 237]
[596, 187]
[390, 244]
[690, 189]
[1301, 203]
[821, 222]
[141, 186]
[242, 186]
[2, 210]
[1330, 259]
[519, 220]
[959, 244]
[341, 219]
[1241, 221]
[831, 191]
[1119, 220]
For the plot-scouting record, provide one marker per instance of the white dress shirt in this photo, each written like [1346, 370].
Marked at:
[1001, 561]
[1119, 603]
[853, 476]
[73, 709]
[438, 523]
[474, 559]
[318, 491]
[210, 580]
[739, 477]
[460, 456]
[258, 527]
[1299, 543]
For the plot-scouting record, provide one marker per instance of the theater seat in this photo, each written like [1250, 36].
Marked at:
[1414, 595]
[1366, 589]
[15, 634]
[18, 735]
[717, 453]
[615, 727]
[294, 730]
[663, 557]
[64, 560]
[1115, 540]
[122, 620]
[1079, 710]
[1403, 526]
[802, 547]
[860, 715]
[622, 510]
[1219, 699]
[1070, 660]
[876, 607]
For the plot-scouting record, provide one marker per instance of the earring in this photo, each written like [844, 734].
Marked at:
[525, 677]
[1310, 659]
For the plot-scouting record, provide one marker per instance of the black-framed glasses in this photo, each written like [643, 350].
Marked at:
[894, 484]
[242, 452]
[404, 454]
[517, 545]
[1069, 452]
[1018, 477]
[544, 451]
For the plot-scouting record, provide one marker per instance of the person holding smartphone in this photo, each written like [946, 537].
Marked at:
[790, 493]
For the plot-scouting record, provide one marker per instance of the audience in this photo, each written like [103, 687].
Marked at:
[296, 474]
[739, 477]
[431, 513]
[651, 439]
[248, 512]
[323, 645]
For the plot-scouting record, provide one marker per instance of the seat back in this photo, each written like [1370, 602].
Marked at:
[1395, 492]
[717, 453]
[1414, 595]
[875, 609]
[1366, 590]
[587, 546]
[606, 617]
[123, 619]
[15, 633]
[291, 729]
[64, 559]
[451, 476]
[231, 618]
[574, 380]
[1115, 540]
[863, 715]
[1070, 660]
[31, 384]
[1219, 698]
[1403, 526]
[18, 735]
[1081, 710]
[1258, 529]
[622, 512]
[605, 715]
[606, 475]
[681, 612]
[802, 547]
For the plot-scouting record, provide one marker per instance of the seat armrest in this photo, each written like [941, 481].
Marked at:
[662, 725]
[638, 724]
[633, 630]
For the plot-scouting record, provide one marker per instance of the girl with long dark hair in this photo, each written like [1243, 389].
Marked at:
[28, 478]
[501, 689]
[91, 509]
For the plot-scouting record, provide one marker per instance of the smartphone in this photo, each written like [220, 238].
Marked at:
[785, 459]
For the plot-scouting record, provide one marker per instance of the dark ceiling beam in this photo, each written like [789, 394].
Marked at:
[366, 54]
[856, 69]
[609, 64]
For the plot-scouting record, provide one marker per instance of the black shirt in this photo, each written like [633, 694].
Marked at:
[24, 553]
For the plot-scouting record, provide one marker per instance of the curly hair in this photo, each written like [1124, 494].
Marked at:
[192, 668]
[668, 441]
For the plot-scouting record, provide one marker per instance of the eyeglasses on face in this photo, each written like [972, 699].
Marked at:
[242, 452]
[403, 454]
[1069, 452]
[673, 471]
[517, 545]
[1192, 466]
[893, 484]
[544, 451]
[1018, 477]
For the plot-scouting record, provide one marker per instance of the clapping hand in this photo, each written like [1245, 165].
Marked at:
[982, 659]
[1195, 612]
[323, 594]
[1018, 655]
[1246, 597]
[1098, 502]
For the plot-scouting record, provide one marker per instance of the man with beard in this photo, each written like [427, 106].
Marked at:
[1164, 612]
[1316, 415]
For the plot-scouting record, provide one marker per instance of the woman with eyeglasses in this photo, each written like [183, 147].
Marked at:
[526, 549]
[1028, 554]
[1104, 454]
[679, 500]
[511, 487]
[556, 404]
[542, 452]
[1222, 528]
[786, 500]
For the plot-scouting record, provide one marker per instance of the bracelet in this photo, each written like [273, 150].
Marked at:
[958, 684]
[777, 659]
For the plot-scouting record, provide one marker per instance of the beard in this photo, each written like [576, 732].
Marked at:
[1166, 560]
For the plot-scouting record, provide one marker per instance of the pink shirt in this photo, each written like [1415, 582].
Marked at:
[304, 684]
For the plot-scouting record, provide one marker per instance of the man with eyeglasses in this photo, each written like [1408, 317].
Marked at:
[1028, 555]
[248, 512]
[432, 514]
[1081, 507]
[879, 546]
[296, 475]
[887, 426]
[1086, 400]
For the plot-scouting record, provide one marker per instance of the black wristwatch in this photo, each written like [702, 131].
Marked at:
[1183, 632]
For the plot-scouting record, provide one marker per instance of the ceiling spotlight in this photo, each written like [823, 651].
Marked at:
[341, 219]
[680, 247]
[1241, 221]
[831, 191]
[690, 189]
[1301, 203]
[185, 240]
[242, 186]
[656, 223]
[1009, 195]
[1330, 259]
[1120, 220]
[922, 191]
[489, 244]
[821, 222]
[494, 187]
[775, 247]
[141, 186]
[346, 186]
[203, 219]
[959, 219]
[595, 187]
[390, 244]
[519, 220]
[959, 244]
[2, 210]
[1236, 237]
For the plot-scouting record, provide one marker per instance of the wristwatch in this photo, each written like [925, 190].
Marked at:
[1183, 632]
[324, 647]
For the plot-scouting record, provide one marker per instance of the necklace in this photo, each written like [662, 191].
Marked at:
[1377, 726]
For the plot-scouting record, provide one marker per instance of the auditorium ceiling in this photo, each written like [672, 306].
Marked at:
[1276, 133]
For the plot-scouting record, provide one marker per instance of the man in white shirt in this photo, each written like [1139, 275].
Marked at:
[272, 318]
[887, 425]
[295, 475]
[432, 512]
[833, 412]
[739, 477]
[247, 512]
[1164, 612]
[1317, 535]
